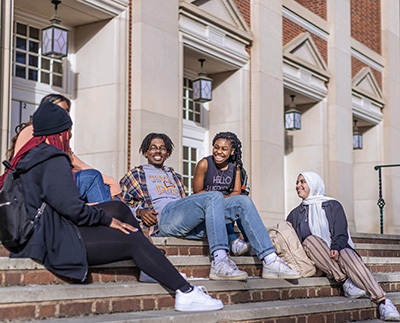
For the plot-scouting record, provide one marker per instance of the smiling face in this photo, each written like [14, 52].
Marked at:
[302, 188]
[222, 150]
[157, 153]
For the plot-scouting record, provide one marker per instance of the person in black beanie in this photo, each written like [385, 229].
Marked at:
[71, 235]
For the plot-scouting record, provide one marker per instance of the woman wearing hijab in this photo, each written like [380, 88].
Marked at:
[71, 235]
[321, 225]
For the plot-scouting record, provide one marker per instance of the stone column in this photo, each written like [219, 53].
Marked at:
[6, 28]
[339, 180]
[267, 134]
[156, 74]
[391, 122]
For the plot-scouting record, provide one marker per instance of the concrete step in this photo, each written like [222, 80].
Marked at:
[360, 237]
[46, 301]
[324, 309]
[16, 272]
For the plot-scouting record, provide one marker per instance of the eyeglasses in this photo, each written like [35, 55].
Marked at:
[155, 148]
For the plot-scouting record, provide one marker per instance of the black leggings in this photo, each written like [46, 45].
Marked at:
[105, 245]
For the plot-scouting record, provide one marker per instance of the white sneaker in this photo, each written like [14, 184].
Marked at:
[196, 300]
[388, 311]
[226, 269]
[144, 278]
[351, 290]
[278, 268]
[240, 247]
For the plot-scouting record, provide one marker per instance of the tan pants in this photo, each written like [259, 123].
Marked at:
[350, 265]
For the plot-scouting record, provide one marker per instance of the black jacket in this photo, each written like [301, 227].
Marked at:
[336, 219]
[56, 242]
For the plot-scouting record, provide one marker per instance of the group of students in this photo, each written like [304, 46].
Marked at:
[73, 234]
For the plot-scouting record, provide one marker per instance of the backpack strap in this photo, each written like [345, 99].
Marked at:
[232, 186]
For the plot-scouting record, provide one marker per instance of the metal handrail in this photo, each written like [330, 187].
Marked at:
[381, 202]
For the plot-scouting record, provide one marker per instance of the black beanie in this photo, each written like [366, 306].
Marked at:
[50, 119]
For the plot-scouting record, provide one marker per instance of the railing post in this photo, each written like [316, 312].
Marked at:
[381, 202]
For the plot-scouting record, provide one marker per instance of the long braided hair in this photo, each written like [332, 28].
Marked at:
[236, 158]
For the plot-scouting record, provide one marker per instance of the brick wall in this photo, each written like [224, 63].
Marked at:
[357, 65]
[292, 30]
[316, 6]
[244, 7]
[366, 23]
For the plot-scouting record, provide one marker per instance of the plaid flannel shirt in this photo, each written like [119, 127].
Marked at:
[136, 194]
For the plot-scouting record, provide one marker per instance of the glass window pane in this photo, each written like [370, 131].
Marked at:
[45, 64]
[191, 105]
[21, 43]
[184, 114]
[197, 107]
[190, 94]
[197, 118]
[33, 60]
[193, 154]
[33, 32]
[191, 116]
[190, 84]
[57, 67]
[185, 153]
[20, 57]
[193, 168]
[33, 46]
[45, 78]
[33, 75]
[20, 71]
[186, 181]
[21, 29]
[57, 80]
[185, 168]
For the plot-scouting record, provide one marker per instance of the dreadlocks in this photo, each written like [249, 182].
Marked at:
[236, 144]
[147, 141]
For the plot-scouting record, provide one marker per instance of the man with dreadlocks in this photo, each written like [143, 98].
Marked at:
[156, 195]
[221, 172]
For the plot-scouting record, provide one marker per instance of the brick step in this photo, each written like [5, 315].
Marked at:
[46, 301]
[321, 309]
[360, 237]
[17, 272]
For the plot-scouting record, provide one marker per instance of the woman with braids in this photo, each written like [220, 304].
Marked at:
[94, 186]
[71, 235]
[217, 173]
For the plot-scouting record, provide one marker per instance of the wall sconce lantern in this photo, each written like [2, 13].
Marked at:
[292, 117]
[202, 86]
[54, 37]
[357, 137]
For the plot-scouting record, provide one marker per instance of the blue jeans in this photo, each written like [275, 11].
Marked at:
[91, 185]
[196, 217]
[206, 215]
[241, 207]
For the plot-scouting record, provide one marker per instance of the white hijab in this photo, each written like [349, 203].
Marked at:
[317, 220]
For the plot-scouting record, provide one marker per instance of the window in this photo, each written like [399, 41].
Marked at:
[191, 109]
[29, 64]
[189, 166]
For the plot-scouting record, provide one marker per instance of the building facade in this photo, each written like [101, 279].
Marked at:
[131, 64]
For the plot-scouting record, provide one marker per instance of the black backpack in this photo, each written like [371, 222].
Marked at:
[244, 180]
[16, 226]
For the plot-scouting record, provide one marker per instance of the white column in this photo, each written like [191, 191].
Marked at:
[156, 64]
[339, 181]
[391, 122]
[267, 141]
[6, 28]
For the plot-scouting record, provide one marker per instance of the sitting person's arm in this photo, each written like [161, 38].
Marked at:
[137, 199]
[200, 173]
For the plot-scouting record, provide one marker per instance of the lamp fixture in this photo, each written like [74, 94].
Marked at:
[55, 37]
[357, 137]
[292, 117]
[202, 86]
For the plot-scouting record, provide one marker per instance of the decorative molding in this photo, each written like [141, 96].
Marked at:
[365, 59]
[202, 34]
[304, 69]
[302, 22]
[367, 97]
[113, 7]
